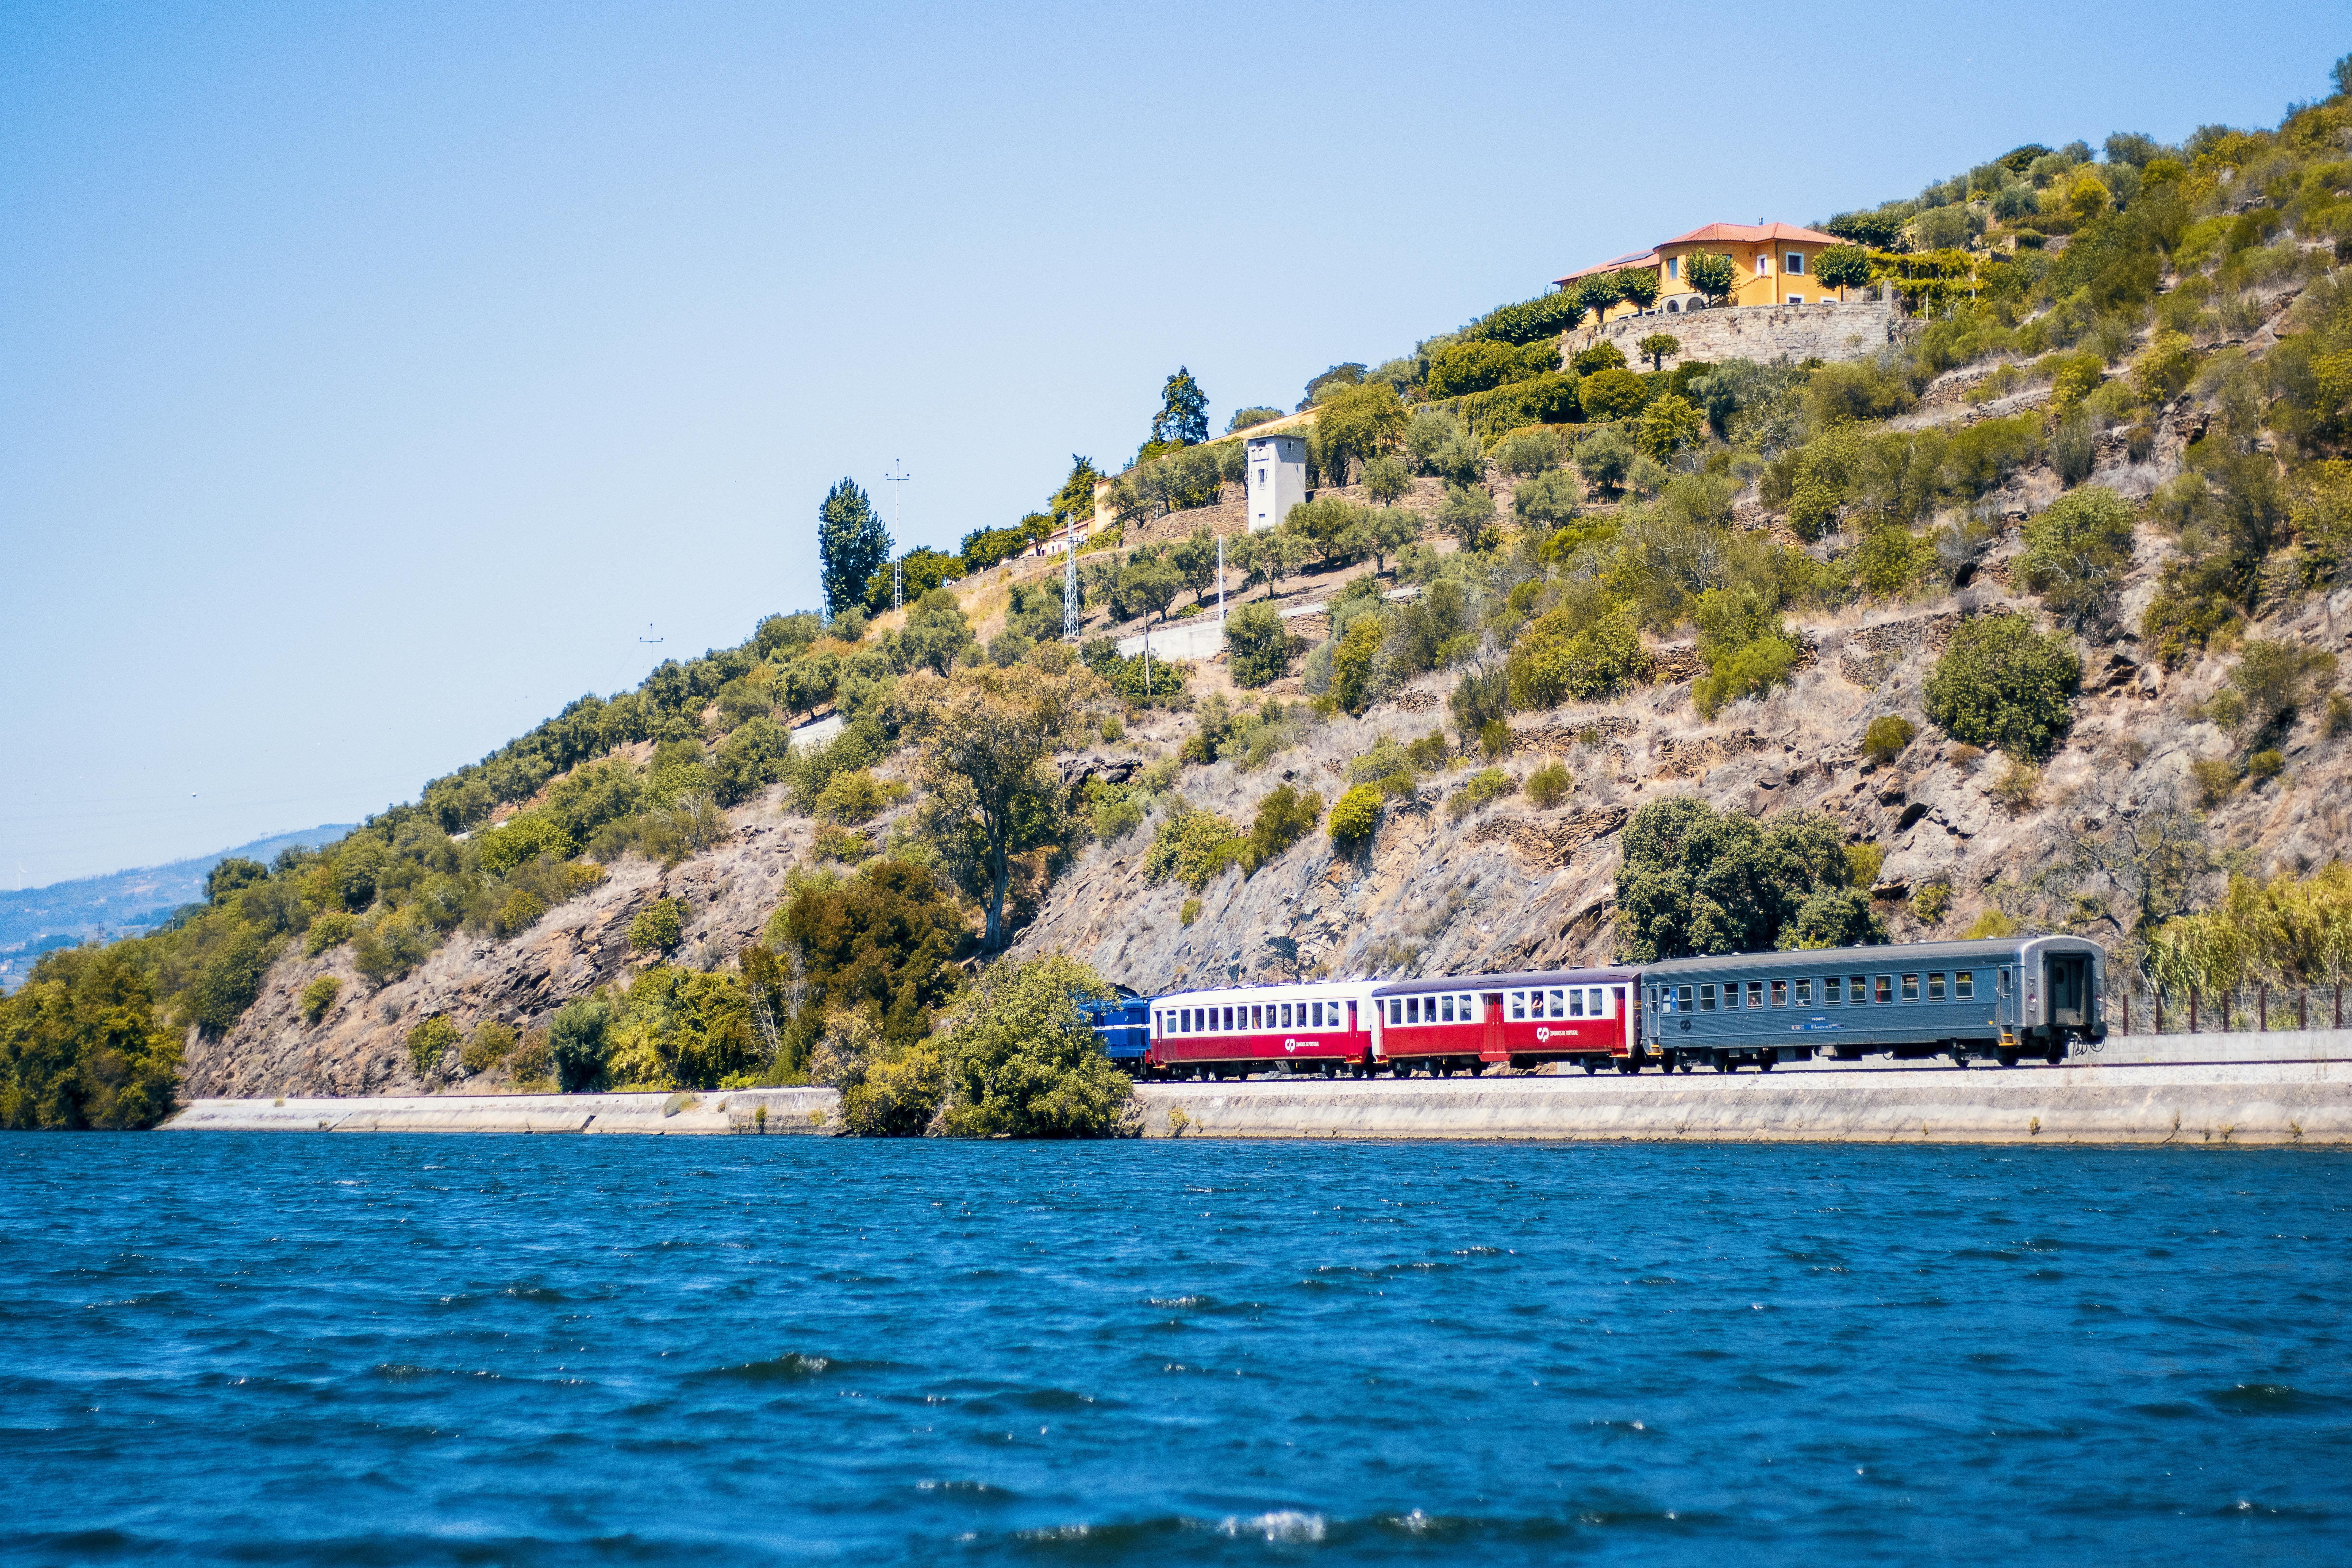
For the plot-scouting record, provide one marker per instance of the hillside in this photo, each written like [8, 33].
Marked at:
[2023, 611]
[122, 900]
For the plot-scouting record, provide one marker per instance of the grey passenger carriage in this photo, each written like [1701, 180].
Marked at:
[2003, 999]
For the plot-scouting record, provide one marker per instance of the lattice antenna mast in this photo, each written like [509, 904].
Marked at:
[1070, 579]
[898, 526]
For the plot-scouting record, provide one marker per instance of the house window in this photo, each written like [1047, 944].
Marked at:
[1707, 998]
[1763, 266]
[1796, 264]
[1673, 266]
[1261, 476]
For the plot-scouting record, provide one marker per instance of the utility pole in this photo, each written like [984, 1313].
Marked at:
[1221, 579]
[1070, 578]
[898, 518]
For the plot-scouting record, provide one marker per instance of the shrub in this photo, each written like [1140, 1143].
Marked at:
[1862, 864]
[1558, 658]
[1549, 784]
[1548, 500]
[329, 928]
[2265, 764]
[658, 927]
[2003, 684]
[1605, 459]
[1668, 425]
[1612, 394]
[2336, 721]
[317, 997]
[578, 1040]
[1112, 731]
[1887, 736]
[1693, 881]
[1355, 818]
[1527, 452]
[530, 1063]
[526, 835]
[1486, 785]
[2015, 789]
[1495, 738]
[1749, 671]
[1930, 904]
[429, 1044]
[491, 1044]
[227, 985]
[1259, 648]
[1283, 817]
[2077, 553]
[1188, 913]
[1023, 1060]
[1117, 814]
[857, 797]
[1990, 926]
[1193, 847]
[1468, 514]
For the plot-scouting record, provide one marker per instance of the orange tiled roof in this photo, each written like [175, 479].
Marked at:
[1751, 234]
[1614, 264]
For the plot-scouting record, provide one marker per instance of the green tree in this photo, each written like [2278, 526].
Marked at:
[1468, 515]
[1251, 419]
[885, 939]
[1355, 661]
[80, 1046]
[1562, 656]
[228, 983]
[1527, 452]
[1258, 647]
[1195, 560]
[1657, 346]
[1711, 275]
[2076, 552]
[1360, 422]
[231, 876]
[984, 736]
[2001, 683]
[1151, 581]
[1842, 266]
[1612, 394]
[1604, 459]
[851, 546]
[429, 1044]
[1386, 479]
[1025, 1062]
[936, 634]
[1599, 292]
[1462, 368]
[1694, 882]
[1355, 818]
[1638, 286]
[659, 926]
[1183, 416]
[1668, 425]
[1076, 499]
[1285, 816]
[1548, 500]
[1388, 530]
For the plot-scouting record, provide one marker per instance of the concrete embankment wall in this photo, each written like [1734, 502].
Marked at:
[770, 1111]
[2279, 1087]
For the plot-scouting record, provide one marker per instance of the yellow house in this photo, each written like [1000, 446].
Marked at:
[1772, 264]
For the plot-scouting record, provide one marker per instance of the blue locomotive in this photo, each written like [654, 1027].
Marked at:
[1123, 1025]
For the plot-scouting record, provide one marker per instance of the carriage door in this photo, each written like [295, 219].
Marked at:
[1493, 1048]
[2069, 985]
[2005, 995]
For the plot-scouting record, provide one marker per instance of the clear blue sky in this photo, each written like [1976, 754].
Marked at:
[372, 376]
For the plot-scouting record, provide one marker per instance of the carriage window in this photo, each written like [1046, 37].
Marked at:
[1594, 1005]
[1964, 985]
[1682, 998]
[1163, 1023]
[1755, 993]
[1830, 989]
[1518, 1004]
[1445, 1009]
[1856, 987]
[1804, 993]
[1556, 1009]
[1285, 1016]
[1780, 993]
[1936, 987]
[2004, 982]
[1886, 991]
[1412, 1009]
[1650, 993]
[1707, 998]
[1576, 1003]
[1910, 988]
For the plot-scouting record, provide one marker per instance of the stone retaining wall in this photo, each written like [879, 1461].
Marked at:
[1762, 334]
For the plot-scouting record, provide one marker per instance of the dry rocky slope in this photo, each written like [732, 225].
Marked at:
[1507, 886]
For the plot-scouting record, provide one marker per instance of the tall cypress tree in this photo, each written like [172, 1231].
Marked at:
[851, 545]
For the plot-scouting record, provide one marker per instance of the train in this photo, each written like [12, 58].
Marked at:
[2000, 1000]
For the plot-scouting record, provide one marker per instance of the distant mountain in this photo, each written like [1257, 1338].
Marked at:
[120, 903]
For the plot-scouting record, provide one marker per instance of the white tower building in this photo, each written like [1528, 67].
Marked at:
[1278, 478]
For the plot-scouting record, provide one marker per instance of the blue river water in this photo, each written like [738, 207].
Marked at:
[404, 1350]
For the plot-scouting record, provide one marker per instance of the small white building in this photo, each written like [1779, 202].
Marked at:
[1277, 479]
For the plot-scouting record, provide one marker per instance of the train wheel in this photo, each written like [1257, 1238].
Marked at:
[1629, 1067]
[1591, 1068]
[2009, 1059]
[1725, 1064]
[1767, 1062]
